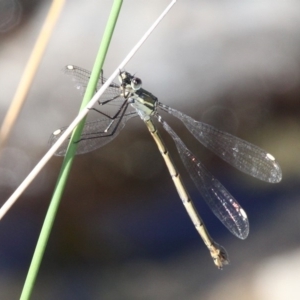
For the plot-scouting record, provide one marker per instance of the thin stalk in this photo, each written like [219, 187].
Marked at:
[67, 163]
[30, 71]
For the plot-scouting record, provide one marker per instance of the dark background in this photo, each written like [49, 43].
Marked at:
[121, 231]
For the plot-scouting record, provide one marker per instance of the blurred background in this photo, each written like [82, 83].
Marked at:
[121, 231]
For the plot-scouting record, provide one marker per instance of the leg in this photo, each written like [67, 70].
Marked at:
[116, 114]
[119, 117]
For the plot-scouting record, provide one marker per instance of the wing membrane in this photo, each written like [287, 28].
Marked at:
[220, 201]
[245, 156]
[94, 135]
[81, 78]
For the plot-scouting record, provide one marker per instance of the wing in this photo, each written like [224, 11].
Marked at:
[94, 135]
[245, 156]
[220, 201]
[81, 78]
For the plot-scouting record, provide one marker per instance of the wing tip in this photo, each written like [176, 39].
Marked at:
[276, 173]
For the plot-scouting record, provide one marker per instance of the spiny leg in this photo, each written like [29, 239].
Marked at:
[124, 107]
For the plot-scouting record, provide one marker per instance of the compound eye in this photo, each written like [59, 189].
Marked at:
[136, 83]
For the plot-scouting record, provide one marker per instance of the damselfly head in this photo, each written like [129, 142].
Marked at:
[127, 80]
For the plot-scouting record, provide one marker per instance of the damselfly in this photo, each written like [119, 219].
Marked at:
[129, 99]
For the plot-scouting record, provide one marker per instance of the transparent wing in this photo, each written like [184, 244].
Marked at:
[244, 156]
[95, 134]
[81, 78]
[220, 201]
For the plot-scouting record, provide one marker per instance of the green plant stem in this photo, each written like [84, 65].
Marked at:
[67, 163]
